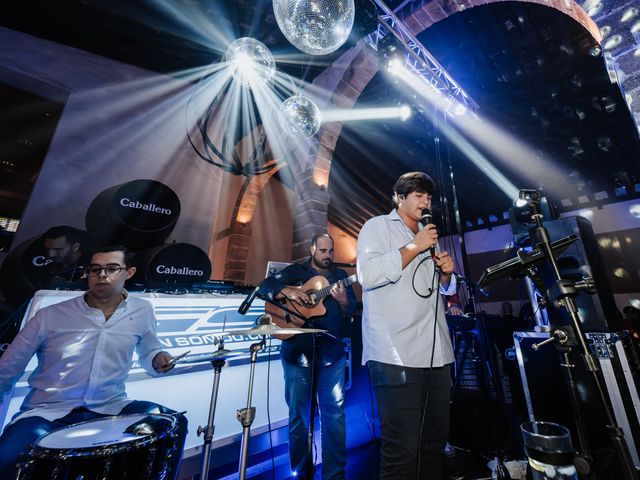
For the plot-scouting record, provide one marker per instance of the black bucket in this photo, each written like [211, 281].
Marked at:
[137, 214]
[177, 264]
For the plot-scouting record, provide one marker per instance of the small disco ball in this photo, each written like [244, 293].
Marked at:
[316, 27]
[250, 60]
[299, 117]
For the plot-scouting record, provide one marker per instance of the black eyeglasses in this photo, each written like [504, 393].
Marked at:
[109, 270]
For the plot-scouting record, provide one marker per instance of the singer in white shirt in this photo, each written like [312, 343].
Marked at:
[406, 344]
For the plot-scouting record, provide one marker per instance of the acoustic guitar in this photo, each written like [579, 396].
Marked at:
[318, 289]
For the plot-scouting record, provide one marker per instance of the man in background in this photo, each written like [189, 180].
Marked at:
[66, 255]
[297, 354]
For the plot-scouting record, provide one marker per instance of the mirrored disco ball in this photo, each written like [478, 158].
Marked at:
[299, 117]
[316, 27]
[250, 60]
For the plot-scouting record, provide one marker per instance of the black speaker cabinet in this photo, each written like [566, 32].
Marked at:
[547, 395]
[598, 312]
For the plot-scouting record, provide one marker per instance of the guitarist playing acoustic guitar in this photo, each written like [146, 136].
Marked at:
[322, 293]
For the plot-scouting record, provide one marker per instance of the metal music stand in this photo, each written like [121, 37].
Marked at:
[246, 415]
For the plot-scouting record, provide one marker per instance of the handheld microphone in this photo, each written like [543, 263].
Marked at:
[246, 303]
[427, 218]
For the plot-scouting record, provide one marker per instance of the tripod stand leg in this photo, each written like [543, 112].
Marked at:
[246, 415]
[208, 429]
[584, 450]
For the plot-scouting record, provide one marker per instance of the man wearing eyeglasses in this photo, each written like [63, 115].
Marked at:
[84, 347]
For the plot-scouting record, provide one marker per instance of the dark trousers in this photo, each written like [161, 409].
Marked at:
[401, 393]
[330, 397]
[18, 437]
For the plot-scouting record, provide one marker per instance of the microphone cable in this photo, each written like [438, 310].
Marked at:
[413, 279]
[426, 399]
[273, 461]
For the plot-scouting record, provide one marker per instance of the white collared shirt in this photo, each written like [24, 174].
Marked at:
[397, 324]
[83, 360]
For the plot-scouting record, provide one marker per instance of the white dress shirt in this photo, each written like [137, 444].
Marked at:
[397, 324]
[83, 360]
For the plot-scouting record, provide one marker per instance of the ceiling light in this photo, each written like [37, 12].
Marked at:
[628, 14]
[613, 42]
[595, 51]
[592, 7]
[604, 143]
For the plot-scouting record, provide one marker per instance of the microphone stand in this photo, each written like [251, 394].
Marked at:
[314, 384]
[246, 415]
[564, 292]
[207, 430]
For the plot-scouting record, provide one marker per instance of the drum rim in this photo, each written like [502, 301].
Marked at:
[106, 448]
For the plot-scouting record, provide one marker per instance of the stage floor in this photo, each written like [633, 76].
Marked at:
[362, 464]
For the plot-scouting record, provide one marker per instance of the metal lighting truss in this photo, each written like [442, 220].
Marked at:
[419, 60]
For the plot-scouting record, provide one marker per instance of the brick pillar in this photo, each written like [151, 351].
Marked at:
[235, 264]
[310, 213]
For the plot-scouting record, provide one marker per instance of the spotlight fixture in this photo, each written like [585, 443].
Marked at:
[395, 64]
[405, 113]
[459, 110]
[527, 196]
[595, 51]
[390, 51]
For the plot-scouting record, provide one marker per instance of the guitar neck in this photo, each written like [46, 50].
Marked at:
[326, 291]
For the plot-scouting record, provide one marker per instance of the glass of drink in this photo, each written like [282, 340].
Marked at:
[548, 446]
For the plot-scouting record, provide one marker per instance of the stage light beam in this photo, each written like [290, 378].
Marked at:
[362, 114]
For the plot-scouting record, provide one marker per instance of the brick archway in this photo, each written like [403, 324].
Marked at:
[239, 230]
[437, 10]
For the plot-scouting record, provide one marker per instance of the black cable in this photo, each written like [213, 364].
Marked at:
[273, 462]
[373, 425]
[312, 409]
[413, 279]
[436, 274]
[14, 319]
